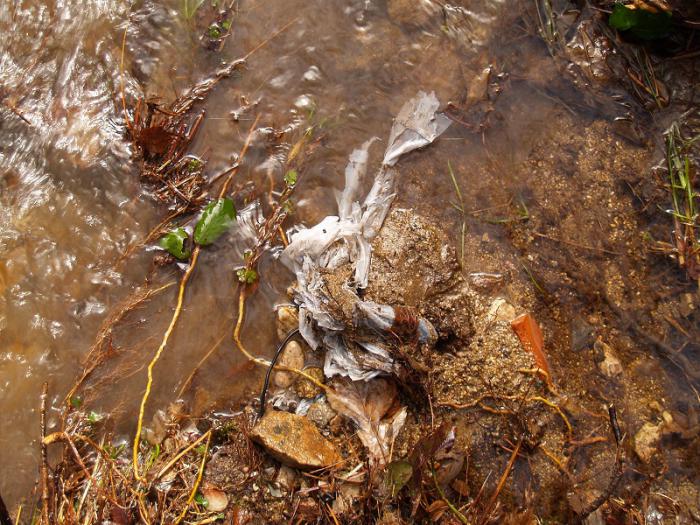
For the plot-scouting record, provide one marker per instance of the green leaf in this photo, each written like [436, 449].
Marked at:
[76, 402]
[226, 24]
[214, 31]
[94, 417]
[174, 243]
[290, 178]
[201, 500]
[640, 23]
[216, 220]
[247, 276]
[398, 474]
[194, 164]
[288, 206]
[114, 451]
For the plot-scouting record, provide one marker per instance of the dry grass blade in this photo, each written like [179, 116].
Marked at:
[501, 483]
[197, 482]
[46, 510]
[96, 356]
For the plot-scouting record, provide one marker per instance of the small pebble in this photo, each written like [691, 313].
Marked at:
[292, 357]
[307, 389]
[287, 320]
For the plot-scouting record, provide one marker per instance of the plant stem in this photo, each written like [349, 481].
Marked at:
[152, 364]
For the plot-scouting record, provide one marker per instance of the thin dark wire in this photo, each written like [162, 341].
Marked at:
[263, 394]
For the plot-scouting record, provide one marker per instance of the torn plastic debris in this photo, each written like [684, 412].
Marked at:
[346, 238]
[398, 320]
[417, 125]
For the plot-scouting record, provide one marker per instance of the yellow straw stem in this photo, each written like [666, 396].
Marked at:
[200, 473]
[152, 364]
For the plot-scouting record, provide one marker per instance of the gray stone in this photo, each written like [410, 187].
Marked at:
[610, 366]
[321, 413]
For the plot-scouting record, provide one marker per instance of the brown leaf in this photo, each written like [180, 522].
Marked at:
[461, 488]
[436, 509]
[370, 405]
[155, 140]
[527, 329]
[421, 458]
[119, 516]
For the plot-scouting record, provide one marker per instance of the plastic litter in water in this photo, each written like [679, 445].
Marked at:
[346, 238]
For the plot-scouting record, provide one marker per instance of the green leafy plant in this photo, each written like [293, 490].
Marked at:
[153, 456]
[685, 212]
[194, 164]
[94, 417]
[214, 31]
[114, 451]
[216, 220]
[290, 178]
[247, 275]
[640, 23]
[174, 243]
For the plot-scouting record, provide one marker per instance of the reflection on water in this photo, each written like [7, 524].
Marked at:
[71, 203]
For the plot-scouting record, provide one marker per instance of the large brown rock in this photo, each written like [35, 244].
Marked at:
[294, 441]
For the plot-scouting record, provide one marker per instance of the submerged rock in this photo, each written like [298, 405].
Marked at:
[217, 500]
[306, 389]
[610, 366]
[287, 320]
[294, 441]
[646, 441]
[321, 413]
[500, 310]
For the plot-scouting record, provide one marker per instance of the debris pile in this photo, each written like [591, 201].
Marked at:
[398, 345]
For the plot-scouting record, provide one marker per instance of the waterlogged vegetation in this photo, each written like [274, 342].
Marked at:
[174, 243]
[685, 198]
[489, 316]
[644, 21]
[217, 218]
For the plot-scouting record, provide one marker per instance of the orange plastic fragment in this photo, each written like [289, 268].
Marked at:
[527, 329]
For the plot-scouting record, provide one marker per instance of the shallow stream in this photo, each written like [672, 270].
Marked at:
[71, 203]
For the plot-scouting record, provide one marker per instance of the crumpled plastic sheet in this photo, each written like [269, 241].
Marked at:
[417, 125]
[347, 237]
[343, 361]
[382, 318]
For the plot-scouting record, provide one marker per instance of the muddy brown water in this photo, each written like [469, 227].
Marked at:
[71, 201]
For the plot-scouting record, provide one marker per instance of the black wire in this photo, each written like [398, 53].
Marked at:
[263, 394]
